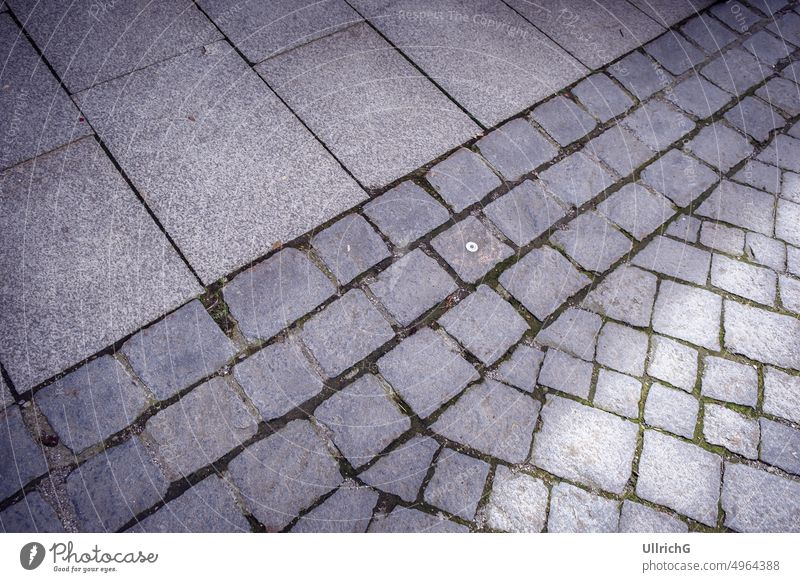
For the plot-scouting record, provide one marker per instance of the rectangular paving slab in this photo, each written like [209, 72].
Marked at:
[213, 150]
[367, 104]
[486, 56]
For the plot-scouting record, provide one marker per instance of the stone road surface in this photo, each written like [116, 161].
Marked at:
[400, 266]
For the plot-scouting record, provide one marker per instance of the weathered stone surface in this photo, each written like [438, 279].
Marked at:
[285, 473]
[790, 189]
[674, 53]
[729, 381]
[783, 152]
[640, 75]
[620, 149]
[793, 260]
[405, 213]
[689, 314]
[349, 247]
[90, 404]
[426, 371]
[179, 350]
[780, 445]
[720, 146]
[411, 286]
[657, 124]
[457, 483]
[602, 97]
[638, 518]
[471, 265]
[576, 179]
[755, 118]
[671, 409]
[786, 220]
[787, 27]
[272, 295]
[405, 520]
[349, 510]
[622, 348]
[525, 213]
[516, 148]
[781, 93]
[681, 476]
[574, 510]
[737, 16]
[114, 486]
[618, 393]
[522, 368]
[363, 419]
[585, 444]
[774, 508]
[493, 419]
[760, 175]
[722, 238]
[676, 259]
[790, 293]
[637, 210]
[6, 398]
[685, 228]
[365, 330]
[22, 457]
[563, 120]
[761, 335]
[208, 507]
[542, 280]
[592, 242]
[678, 177]
[782, 394]
[735, 71]
[626, 294]
[575, 332]
[402, 471]
[726, 428]
[756, 283]
[484, 324]
[708, 33]
[277, 379]
[567, 374]
[697, 96]
[462, 179]
[32, 514]
[518, 502]
[201, 427]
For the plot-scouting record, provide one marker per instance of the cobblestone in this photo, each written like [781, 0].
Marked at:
[516, 148]
[618, 393]
[685, 228]
[349, 510]
[592, 242]
[755, 283]
[405, 520]
[786, 221]
[518, 502]
[349, 247]
[766, 48]
[636, 210]
[576, 179]
[640, 75]
[755, 118]
[525, 213]
[766, 251]
[29, 515]
[562, 372]
[678, 177]
[457, 483]
[722, 238]
[521, 370]
[23, 458]
[622, 348]
[405, 213]
[602, 97]
[675, 259]
[697, 96]
[575, 332]
[689, 314]
[573, 510]
[620, 149]
[729, 381]
[674, 53]
[783, 151]
[781, 93]
[780, 445]
[626, 294]
[657, 124]
[761, 335]
[471, 265]
[790, 189]
[673, 362]
[462, 179]
[790, 293]
[782, 394]
[760, 175]
[708, 33]
[735, 71]
[736, 15]
[729, 429]
[563, 120]
[672, 410]
[638, 518]
[774, 508]
[402, 471]
[720, 146]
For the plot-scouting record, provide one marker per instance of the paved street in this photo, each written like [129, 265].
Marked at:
[400, 266]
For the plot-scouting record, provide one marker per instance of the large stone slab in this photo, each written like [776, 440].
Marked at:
[668, 12]
[35, 113]
[757, 501]
[594, 32]
[88, 43]
[375, 112]
[213, 150]
[83, 263]
[487, 57]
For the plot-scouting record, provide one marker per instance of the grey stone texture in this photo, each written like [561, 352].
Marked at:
[37, 115]
[575, 332]
[181, 349]
[787, 27]
[790, 293]
[111, 488]
[618, 393]
[640, 75]
[462, 179]
[749, 281]
[626, 294]
[363, 419]
[471, 265]
[576, 179]
[697, 96]
[366, 103]
[637, 210]
[774, 508]
[574, 510]
[760, 175]
[722, 238]
[781, 93]
[638, 518]
[602, 97]
[708, 33]
[592, 242]
[669, 12]
[208, 507]
[411, 286]
[201, 427]
[787, 218]
[32, 514]
[790, 189]
[518, 502]
[565, 373]
[620, 149]
[689, 314]
[741, 206]
[285, 473]
[622, 348]
[485, 324]
[405, 213]
[349, 510]
[22, 458]
[349, 247]
[671, 410]
[426, 371]
[274, 293]
[673, 52]
[90, 404]
[521, 370]
[761, 335]
[730, 381]
[217, 151]
[6, 398]
[679, 177]
[405, 520]
[675, 259]
[680, 476]
[783, 152]
[685, 228]
[658, 124]
[563, 120]
[525, 213]
[516, 148]
[402, 471]
[366, 331]
[457, 483]
[780, 445]
[782, 394]
[727, 428]
[736, 15]
[755, 118]
[493, 419]
[542, 280]
[277, 379]
[673, 362]
[720, 146]
[735, 71]
[584, 444]
[113, 269]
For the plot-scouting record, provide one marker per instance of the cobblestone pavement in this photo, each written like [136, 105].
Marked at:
[586, 319]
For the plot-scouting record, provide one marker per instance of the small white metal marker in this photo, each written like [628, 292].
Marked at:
[472, 246]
